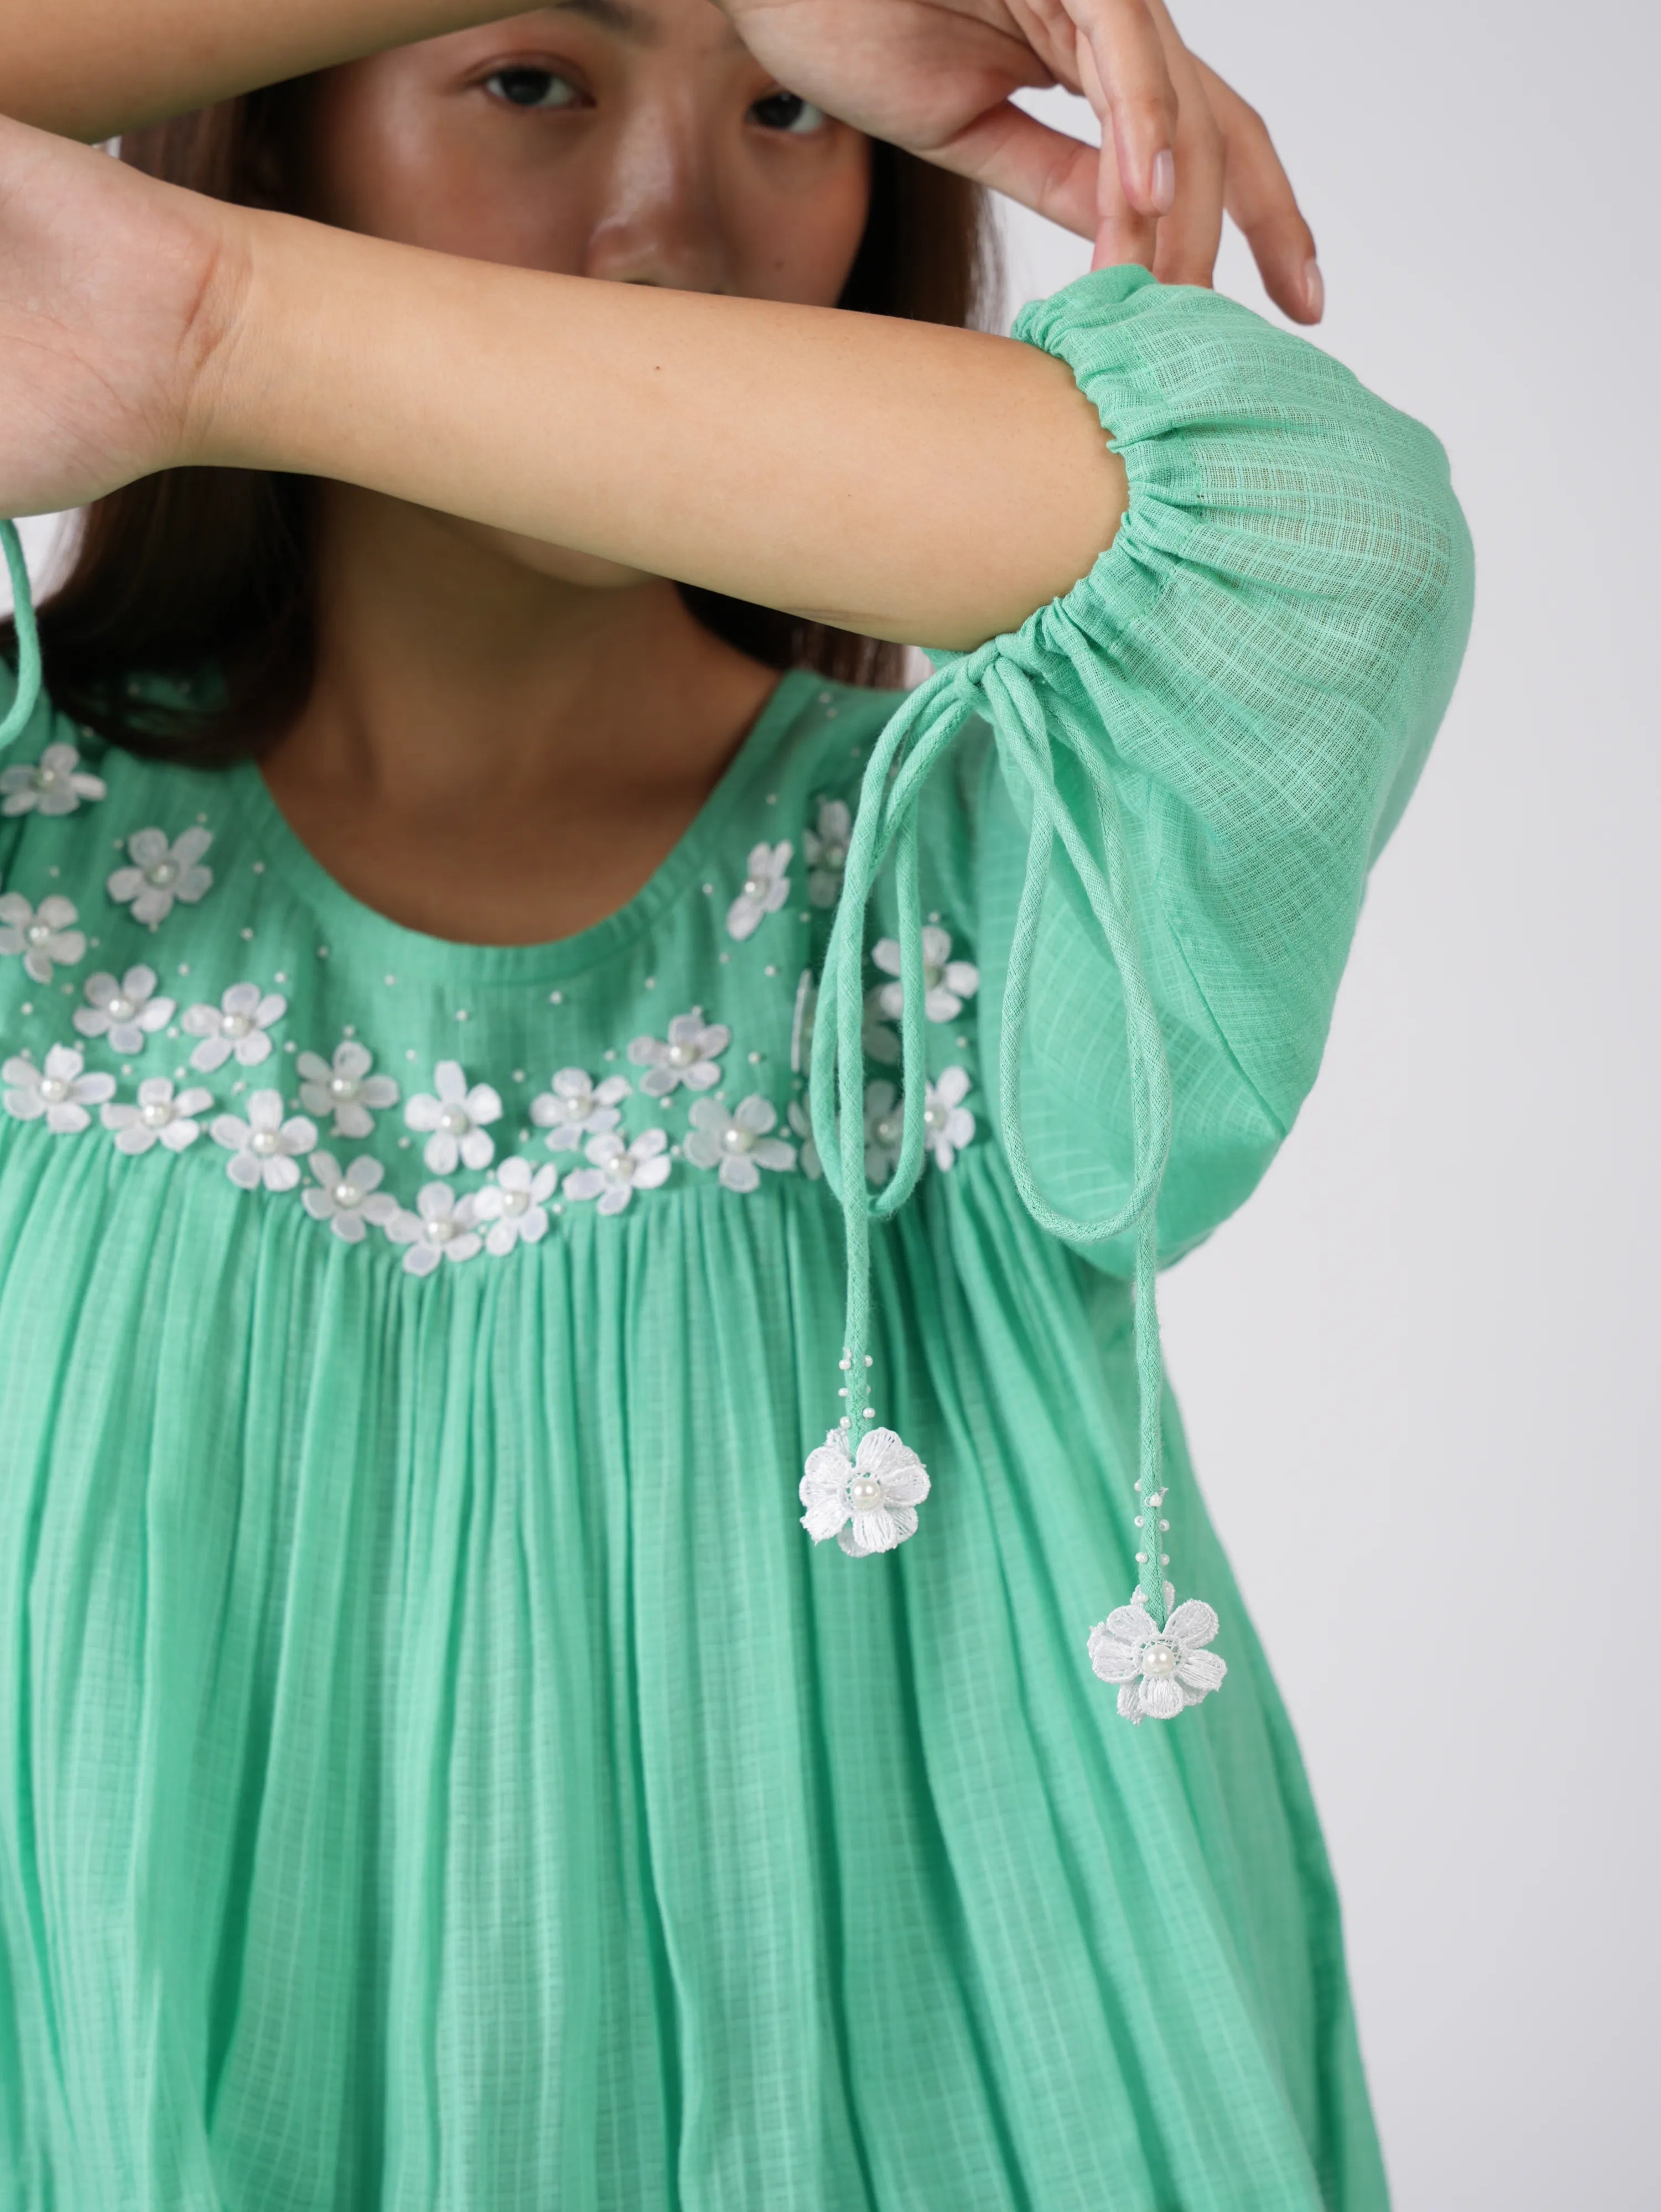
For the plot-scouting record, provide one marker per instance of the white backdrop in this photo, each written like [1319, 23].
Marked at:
[1438, 1318]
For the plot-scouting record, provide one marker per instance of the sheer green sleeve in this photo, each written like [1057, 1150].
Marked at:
[1259, 662]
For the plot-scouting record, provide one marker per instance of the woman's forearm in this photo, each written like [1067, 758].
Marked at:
[902, 479]
[91, 68]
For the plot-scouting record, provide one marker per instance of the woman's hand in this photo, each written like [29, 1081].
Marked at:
[1179, 146]
[109, 292]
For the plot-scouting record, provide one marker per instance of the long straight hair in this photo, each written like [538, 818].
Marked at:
[186, 628]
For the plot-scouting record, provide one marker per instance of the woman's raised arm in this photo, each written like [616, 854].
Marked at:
[92, 68]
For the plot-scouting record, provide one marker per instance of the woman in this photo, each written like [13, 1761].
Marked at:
[435, 1768]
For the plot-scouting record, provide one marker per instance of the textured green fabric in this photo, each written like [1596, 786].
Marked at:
[436, 1770]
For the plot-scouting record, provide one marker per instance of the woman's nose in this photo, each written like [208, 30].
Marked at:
[661, 219]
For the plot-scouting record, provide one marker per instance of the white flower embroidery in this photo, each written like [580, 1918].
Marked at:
[766, 887]
[799, 1117]
[161, 872]
[514, 1204]
[687, 1055]
[869, 1501]
[456, 1119]
[440, 1228]
[881, 1043]
[263, 1149]
[237, 1024]
[1162, 1669]
[578, 1107]
[56, 784]
[885, 1129]
[345, 1088]
[59, 1092]
[158, 1118]
[42, 935]
[824, 848]
[348, 1198]
[803, 1016]
[620, 1170]
[947, 982]
[127, 1012]
[947, 1123]
[737, 1141]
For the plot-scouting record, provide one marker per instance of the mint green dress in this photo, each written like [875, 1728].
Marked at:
[438, 1769]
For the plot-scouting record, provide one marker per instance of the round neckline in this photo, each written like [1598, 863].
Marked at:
[415, 951]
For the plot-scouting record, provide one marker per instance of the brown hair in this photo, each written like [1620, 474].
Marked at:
[207, 573]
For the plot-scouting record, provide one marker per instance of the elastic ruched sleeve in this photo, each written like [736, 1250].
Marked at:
[1258, 663]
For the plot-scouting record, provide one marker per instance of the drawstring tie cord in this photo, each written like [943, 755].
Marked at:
[863, 1485]
[29, 637]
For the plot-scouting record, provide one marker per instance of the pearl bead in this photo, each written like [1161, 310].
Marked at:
[38, 933]
[161, 872]
[682, 1055]
[265, 1142]
[440, 1231]
[1160, 1659]
[834, 856]
[754, 887]
[53, 1089]
[890, 1130]
[934, 1119]
[120, 1010]
[932, 973]
[347, 1195]
[453, 1121]
[621, 1168]
[235, 1025]
[157, 1115]
[737, 1140]
[864, 1493]
[341, 1086]
[44, 778]
[514, 1201]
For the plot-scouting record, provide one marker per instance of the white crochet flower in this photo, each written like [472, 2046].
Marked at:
[349, 1199]
[687, 1055]
[736, 1140]
[800, 1116]
[58, 1092]
[42, 935]
[620, 1170]
[263, 1149]
[766, 887]
[1162, 1669]
[56, 784]
[238, 1025]
[456, 1119]
[345, 1088]
[824, 848]
[947, 1123]
[127, 1012]
[514, 1204]
[158, 1118]
[869, 1502]
[440, 1228]
[947, 982]
[578, 1107]
[884, 1126]
[161, 872]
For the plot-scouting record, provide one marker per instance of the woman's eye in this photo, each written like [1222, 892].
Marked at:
[788, 111]
[533, 87]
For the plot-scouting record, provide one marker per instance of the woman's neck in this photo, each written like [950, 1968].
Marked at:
[492, 753]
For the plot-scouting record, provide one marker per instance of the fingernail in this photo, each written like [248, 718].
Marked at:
[1162, 181]
[1314, 290]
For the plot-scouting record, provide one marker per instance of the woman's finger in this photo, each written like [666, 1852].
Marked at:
[1132, 92]
[1258, 195]
[1122, 232]
[1190, 234]
[1013, 153]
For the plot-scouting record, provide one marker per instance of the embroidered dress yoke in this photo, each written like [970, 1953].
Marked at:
[437, 1768]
